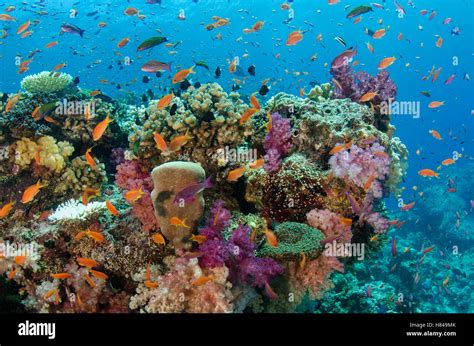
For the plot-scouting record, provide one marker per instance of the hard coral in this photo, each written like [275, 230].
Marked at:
[46, 82]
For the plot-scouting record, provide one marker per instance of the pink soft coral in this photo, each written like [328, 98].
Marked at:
[330, 224]
[177, 293]
[357, 165]
[313, 279]
[130, 176]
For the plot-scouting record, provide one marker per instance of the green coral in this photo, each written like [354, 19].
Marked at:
[294, 239]
[321, 92]
[46, 82]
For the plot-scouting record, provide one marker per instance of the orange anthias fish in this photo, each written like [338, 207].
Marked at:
[198, 238]
[235, 174]
[98, 274]
[123, 42]
[408, 206]
[111, 208]
[51, 44]
[369, 182]
[88, 194]
[379, 34]
[160, 142]
[370, 48]
[87, 262]
[427, 173]
[439, 42]
[176, 221]
[254, 102]
[5, 210]
[436, 74]
[447, 162]
[367, 96]
[134, 195]
[97, 236]
[165, 101]
[31, 191]
[340, 147]
[23, 27]
[131, 11]
[435, 104]
[202, 280]
[435, 134]
[158, 239]
[59, 66]
[90, 159]
[445, 282]
[258, 25]
[177, 142]
[12, 101]
[150, 284]
[257, 163]
[294, 37]
[247, 114]
[386, 62]
[303, 260]
[7, 18]
[19, 260]
[428, 249]
[100, 128]
[271, 238]
[181, 75]
[61, 276]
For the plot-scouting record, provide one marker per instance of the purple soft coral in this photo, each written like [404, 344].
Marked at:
[277, 142]
[355, 84]
[237, 253]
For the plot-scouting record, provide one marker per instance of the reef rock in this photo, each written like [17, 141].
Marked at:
[168, 180]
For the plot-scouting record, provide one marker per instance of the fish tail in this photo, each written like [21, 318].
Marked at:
[208, 183]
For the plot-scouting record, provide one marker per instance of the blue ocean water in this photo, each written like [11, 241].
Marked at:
[100, 64]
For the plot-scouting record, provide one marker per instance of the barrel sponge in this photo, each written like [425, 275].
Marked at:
[46, 82]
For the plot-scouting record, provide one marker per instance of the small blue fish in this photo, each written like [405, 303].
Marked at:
[188, 194]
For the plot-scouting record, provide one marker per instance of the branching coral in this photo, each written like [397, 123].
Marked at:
[209, 116]
[79, 175]
[46, 82]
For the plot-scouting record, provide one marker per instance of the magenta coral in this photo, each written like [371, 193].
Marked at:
[277, 142]
[330, 224]
[357, 165]
[355, 84]
[130, 176]
[237, 253]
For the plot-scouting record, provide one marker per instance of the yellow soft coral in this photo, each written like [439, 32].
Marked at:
[46, 152]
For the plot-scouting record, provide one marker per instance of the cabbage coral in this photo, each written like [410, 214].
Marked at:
[46, 82]
[46, 152]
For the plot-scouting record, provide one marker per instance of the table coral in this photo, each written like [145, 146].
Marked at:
[46, 82]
